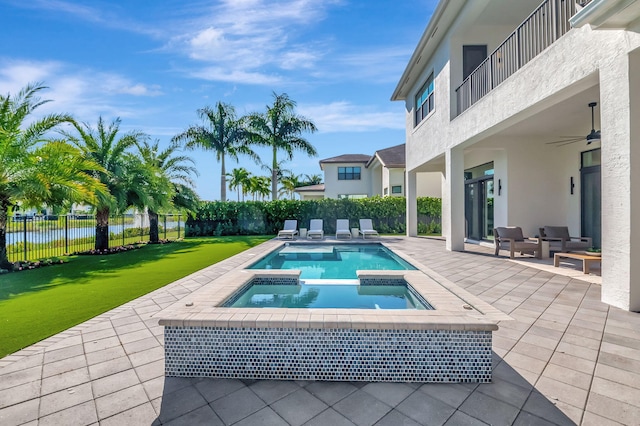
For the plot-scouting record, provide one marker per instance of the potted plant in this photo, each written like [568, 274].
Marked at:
[592, 251]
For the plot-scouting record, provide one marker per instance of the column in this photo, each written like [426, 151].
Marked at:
[453, 224]
[620, 109]
[412, 204]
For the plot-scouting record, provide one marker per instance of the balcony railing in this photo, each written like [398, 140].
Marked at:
[543, 27]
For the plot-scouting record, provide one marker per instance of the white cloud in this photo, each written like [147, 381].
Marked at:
[84, 93]
[347, 117]
[241, 39]
[107, 17]
[235, 76]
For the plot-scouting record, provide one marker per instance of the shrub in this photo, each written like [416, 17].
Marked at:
[258, 218]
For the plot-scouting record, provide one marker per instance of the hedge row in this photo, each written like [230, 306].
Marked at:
[267, 217]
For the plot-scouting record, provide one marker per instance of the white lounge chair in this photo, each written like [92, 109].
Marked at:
[290, 229]
[366, 229]
[342, 229]
[315, 231]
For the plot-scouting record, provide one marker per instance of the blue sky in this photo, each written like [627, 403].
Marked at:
[153, 63]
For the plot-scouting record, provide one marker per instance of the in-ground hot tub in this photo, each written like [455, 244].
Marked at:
[451, 343]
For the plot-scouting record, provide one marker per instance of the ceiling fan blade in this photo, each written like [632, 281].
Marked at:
[564, 141]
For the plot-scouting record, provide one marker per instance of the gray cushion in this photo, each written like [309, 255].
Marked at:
[557, 232]
[512, 232]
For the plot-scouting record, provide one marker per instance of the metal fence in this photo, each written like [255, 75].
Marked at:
[544, 26]
[40, 237]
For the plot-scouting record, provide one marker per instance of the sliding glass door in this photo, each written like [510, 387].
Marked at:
[478, 203]
[590, 196]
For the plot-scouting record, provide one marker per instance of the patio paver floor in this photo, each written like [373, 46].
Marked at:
[566, 358]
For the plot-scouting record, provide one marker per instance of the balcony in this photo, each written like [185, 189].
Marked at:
[543, 27]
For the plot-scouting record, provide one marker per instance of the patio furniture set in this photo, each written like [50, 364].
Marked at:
[554, 239]
[316, 230]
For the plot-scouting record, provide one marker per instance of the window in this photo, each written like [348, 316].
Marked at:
[396, 189]
[348, 173]
[424, 100]
[351, 196]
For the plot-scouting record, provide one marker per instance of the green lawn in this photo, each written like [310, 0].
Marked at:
[40, 303]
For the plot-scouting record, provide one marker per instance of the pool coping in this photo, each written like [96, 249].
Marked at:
[451, 303]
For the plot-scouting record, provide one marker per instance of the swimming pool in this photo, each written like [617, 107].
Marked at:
[328, 296]
[332, 261]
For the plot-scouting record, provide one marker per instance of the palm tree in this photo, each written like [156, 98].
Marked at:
[312, 180]
[259, 187]
[280, 128]
[222, 133]
[281, 172]
[170, 181]
[289, 184]
[120, 173]
[239, 177]
[35, 170]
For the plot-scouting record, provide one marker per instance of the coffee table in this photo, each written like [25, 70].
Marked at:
[586, 259]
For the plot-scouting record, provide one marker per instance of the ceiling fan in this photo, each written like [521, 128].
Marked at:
[593, 136]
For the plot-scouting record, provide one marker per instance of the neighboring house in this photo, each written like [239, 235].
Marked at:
[490, 88]
[362, 176]
[311, 192]
[347, 176]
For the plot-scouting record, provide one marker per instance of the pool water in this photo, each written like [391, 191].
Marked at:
[329, 296]
[326, 261]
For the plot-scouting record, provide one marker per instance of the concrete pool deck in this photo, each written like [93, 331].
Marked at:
[566, 358]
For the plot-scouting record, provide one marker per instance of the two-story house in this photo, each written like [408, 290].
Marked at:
[530, 110]
[361, 176]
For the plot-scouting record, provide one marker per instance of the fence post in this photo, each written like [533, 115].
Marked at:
[165, 226]
[122, 229]
[66, 234]
[179, 226]
[24, 235]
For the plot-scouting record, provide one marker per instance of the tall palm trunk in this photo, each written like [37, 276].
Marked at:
[274, 176]
[102, 229]
[4, 259]
[223, 180]
[153, 227]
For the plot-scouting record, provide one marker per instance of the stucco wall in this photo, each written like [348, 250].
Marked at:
[333, 186]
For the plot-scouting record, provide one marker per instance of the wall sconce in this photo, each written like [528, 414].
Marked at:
[572, 185]
[499, 187]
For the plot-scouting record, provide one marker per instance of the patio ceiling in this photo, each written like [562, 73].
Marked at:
[568, 117]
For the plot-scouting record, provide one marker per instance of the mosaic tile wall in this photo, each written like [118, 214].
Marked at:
[446, 356]
[382, 281]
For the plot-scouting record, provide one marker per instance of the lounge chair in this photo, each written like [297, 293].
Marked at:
[290, 229]
[315, 231]
[511, 238]
[366, 229]
[560, 241]
[342, 229]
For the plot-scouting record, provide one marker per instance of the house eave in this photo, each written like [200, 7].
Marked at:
[426, 47]
[607, 14]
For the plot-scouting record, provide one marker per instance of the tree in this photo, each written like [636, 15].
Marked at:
[312, 180]
[289, 184]
[222, 133]
[120, 173]
[170, 183]
[34, 169]
[259, 187]
[281, 129]
[239, 177]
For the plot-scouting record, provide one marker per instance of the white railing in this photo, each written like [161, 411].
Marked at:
[544, 26]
